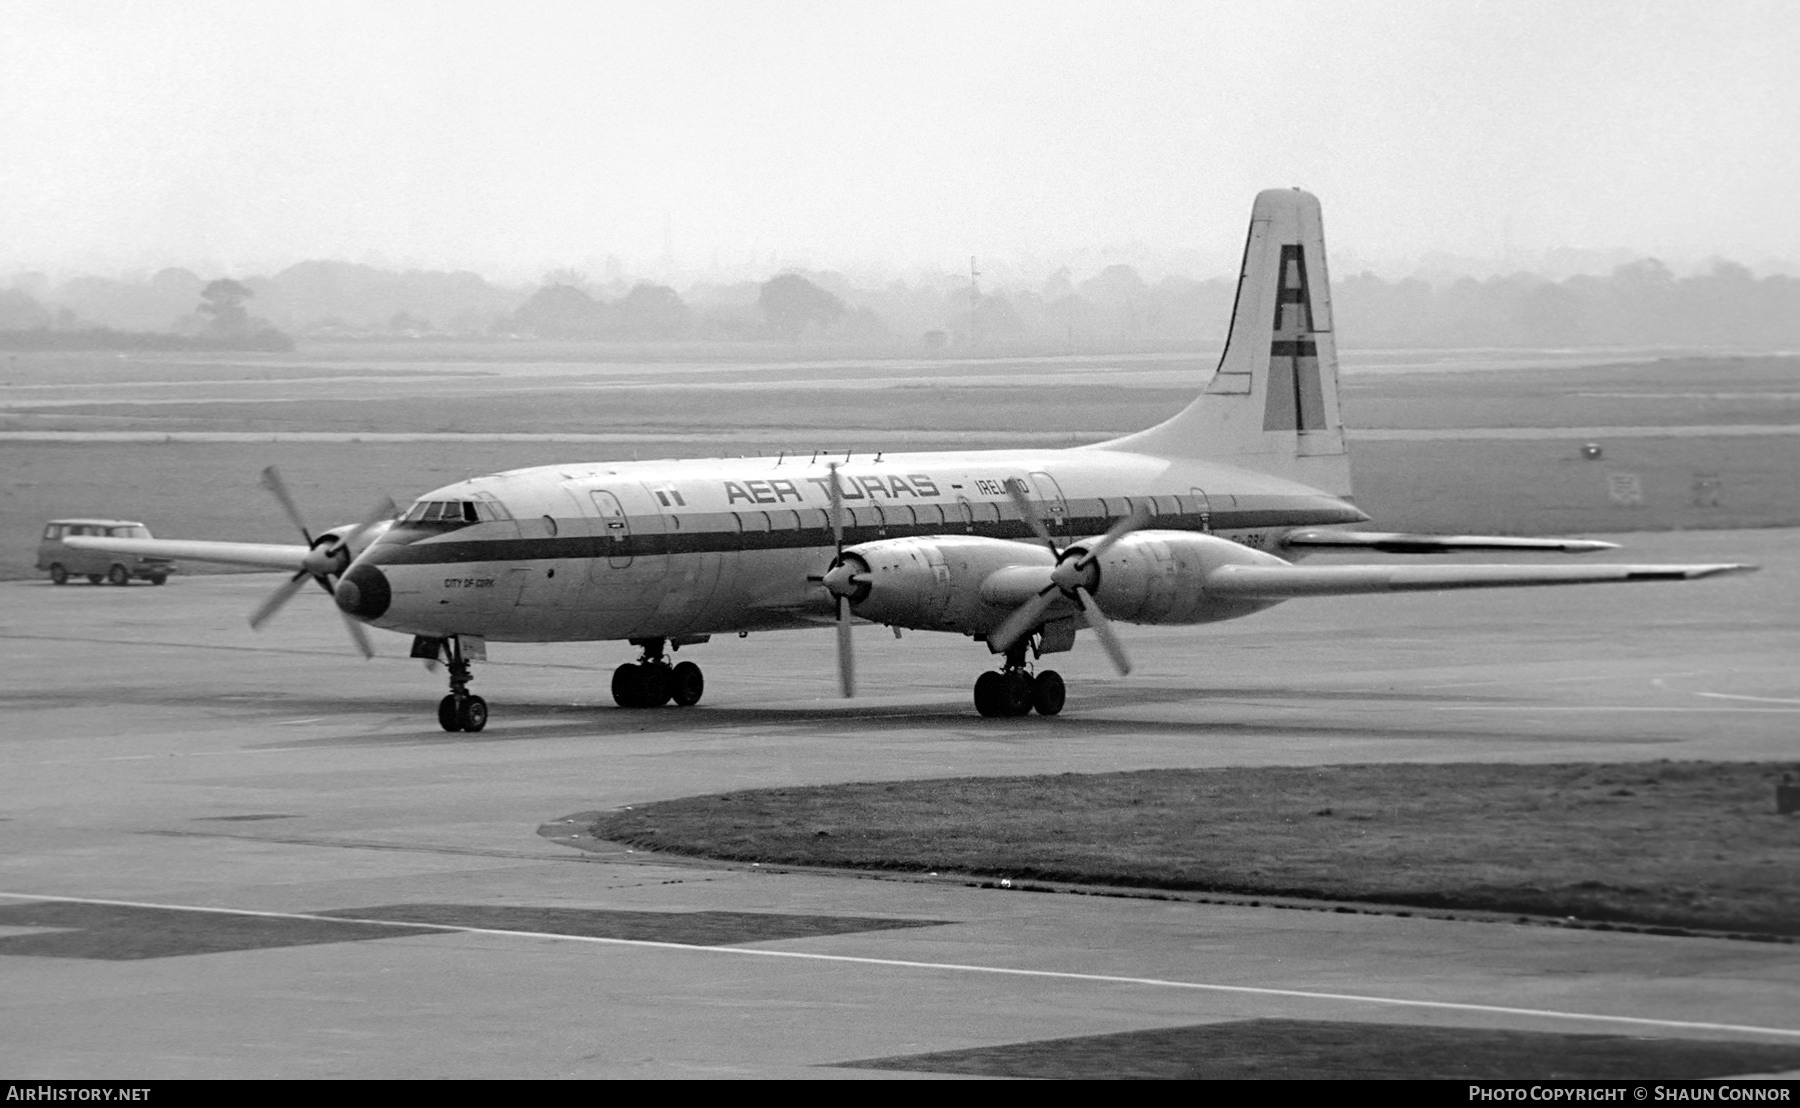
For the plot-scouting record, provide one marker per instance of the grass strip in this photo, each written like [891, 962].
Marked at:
[1676, 844]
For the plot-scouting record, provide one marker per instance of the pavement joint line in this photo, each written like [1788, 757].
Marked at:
[1003, 971]
[1741, 696]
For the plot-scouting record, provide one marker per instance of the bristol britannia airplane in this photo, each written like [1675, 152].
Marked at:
[1194, 520]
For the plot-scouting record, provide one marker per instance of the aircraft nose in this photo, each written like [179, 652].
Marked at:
[364, 592]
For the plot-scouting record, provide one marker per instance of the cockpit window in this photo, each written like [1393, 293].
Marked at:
[455, 511]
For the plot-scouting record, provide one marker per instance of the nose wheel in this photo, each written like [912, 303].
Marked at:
[465, 713]
[652, 682]
[462, 710]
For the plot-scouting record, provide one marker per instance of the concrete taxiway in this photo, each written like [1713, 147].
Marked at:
[225, 854]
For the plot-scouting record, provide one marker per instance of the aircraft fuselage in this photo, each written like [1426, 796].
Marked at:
[677, 549]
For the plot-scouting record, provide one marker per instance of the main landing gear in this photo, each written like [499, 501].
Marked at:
[462, 710]
[652, 682]
[1013, 690]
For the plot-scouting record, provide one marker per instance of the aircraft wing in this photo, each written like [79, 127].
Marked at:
[265, 555]
[1285, 582]
[1394, 542]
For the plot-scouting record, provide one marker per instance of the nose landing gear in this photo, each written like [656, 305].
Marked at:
[462, 710]
[1013, 690]
[652, 682]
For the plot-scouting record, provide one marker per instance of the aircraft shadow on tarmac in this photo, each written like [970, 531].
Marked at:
[528, 721]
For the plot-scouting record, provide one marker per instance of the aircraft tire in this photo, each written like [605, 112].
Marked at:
[987, 694]
[118, 575]
[655, 685]
[448, 717]
[95, 578]
[687, 684]
[472, 713]
[59, 575]
[1015, 692]
[625, 686]
[159, 579]
[1048, 693]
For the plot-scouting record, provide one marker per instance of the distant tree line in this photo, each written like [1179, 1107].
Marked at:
[221, 321]
[1641, 303]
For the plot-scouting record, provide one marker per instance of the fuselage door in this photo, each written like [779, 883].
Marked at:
[615, 528]
[1203, 506]
[1052, 505]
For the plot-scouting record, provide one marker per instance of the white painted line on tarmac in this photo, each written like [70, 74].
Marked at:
[1759, 699]
[159, 756]
[1612, 708]
[960, 967]
[1533, 683]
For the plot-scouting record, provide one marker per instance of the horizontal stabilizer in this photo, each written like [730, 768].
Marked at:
[1393, 542]
[1287, 582]
[261, 554]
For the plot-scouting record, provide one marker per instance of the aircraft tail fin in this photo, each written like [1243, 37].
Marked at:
[1272, 404]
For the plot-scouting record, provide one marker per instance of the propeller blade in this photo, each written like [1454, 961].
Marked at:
[383, 511]
[358, 636]
[280, 597]
[1023, 621]
[1015, 488]
[837, 508]
[271, 480]
[1102, 627]
[1134, 522]
[845, 658]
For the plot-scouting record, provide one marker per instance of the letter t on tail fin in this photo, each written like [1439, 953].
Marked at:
[1272, 404]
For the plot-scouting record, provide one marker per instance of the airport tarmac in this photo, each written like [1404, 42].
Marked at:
[230, 854]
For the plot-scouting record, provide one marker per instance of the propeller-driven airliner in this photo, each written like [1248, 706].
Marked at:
[1195, 520]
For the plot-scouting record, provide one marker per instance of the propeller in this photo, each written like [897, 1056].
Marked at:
[330, 555]
[842, 582]
[1073, 578]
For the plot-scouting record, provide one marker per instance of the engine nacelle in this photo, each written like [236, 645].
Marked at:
[332, 539]
[937, 583]
[1160, 577]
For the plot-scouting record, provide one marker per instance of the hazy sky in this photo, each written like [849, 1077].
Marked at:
[514, 136]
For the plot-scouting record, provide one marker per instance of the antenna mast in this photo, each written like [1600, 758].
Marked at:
[974, 299]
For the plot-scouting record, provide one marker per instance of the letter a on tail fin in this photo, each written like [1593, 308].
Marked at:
[1272, 404]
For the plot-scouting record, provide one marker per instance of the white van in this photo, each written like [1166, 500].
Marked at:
[118, 569]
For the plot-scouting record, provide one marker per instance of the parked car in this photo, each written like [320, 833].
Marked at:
[63, 563]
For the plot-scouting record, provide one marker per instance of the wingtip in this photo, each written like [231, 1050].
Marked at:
[1733, 567]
